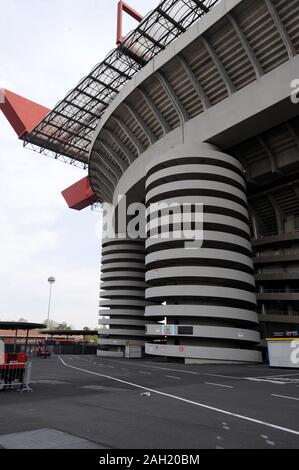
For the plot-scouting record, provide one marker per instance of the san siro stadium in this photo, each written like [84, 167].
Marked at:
[197, 107]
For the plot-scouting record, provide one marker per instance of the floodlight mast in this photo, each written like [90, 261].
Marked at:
[51, 281]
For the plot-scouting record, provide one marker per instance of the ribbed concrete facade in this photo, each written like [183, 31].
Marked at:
[210, 121]
[194, 114]
[122, 296]
[207, 294]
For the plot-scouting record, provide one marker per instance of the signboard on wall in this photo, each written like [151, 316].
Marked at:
[133, 351]
[185, 330]
[284, 353]
[288, 334]
[169, 330]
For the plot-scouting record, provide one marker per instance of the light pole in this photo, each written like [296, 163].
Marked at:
[51, 281]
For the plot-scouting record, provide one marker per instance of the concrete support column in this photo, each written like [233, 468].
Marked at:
[289, 305]
[207, 294]
[122, 296]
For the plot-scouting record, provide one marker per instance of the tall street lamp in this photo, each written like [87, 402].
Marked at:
[51, 281]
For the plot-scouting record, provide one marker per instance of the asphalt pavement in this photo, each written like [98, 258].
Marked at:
[92, 402]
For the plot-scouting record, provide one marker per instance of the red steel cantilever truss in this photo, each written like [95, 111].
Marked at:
[23, 115]
[124, 7]
[66, 132]
[80, 195]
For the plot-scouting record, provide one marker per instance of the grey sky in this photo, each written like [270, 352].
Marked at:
[46, 47]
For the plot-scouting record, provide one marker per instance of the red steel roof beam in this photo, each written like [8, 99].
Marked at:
[124, 7]
[22, 114]
[80, 195]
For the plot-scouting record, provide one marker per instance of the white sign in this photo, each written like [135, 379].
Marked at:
[133, 351]
[295, 92]
[284, 353]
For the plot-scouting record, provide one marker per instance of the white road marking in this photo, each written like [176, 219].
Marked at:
[219, 385]
[173, 377]
[265, 380]
[271, 443]
[278, 376]
[283, 396]
[144, 373]
[181, 370]
[227, 428]
[226, 376]
[184, 371]
[201, 405]
[157, 367]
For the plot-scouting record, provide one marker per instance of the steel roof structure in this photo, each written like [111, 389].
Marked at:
[15, 325]
[71, 332]
[66, 132]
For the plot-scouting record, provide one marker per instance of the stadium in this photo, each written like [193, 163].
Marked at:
[199, 105]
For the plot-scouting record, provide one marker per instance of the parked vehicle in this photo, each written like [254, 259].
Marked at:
[43, 352]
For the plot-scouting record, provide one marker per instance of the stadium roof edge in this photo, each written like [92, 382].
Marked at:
[66, 132]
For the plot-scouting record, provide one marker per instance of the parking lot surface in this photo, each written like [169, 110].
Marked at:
[92, 402]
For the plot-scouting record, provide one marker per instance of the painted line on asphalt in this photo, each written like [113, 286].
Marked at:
[219, 385]
[277, 382]
[173, 377]
[155, 367]
[144, 373]
[184, 400]
[283, 396]
[178, 370]
[278, 376]
[254, 379]
[226, 376]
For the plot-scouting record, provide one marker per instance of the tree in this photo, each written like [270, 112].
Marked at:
[63, 326]
[90, 338]
[52, 324]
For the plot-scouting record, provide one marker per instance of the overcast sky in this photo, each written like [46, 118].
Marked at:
[46, 47]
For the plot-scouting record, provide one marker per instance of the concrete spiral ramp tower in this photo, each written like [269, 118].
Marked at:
[122, 296]
[207, 294]
[198, 105]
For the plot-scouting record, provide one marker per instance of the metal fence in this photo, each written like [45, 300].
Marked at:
[16, 375]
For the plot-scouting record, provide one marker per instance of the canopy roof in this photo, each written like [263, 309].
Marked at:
[66, 132]
[71, 332]
[14, 325]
